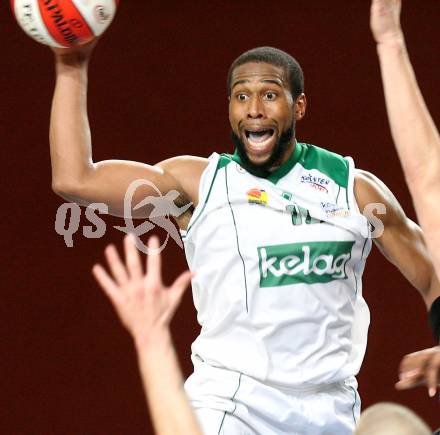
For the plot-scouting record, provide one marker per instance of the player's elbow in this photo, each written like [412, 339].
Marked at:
[61, 187]
[68, 189]
[423, 176]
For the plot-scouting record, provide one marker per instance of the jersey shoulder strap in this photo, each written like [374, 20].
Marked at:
[327, 162]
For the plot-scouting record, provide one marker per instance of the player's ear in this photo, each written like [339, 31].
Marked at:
[300, 106]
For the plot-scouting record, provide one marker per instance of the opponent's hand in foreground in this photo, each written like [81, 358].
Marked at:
[143, 303]
[420, 368]
[385, 20]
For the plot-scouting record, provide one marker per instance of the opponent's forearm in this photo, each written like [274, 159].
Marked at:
[415, 136]
[70, 141]
[426, 206]
[413, 130]
[163, 384]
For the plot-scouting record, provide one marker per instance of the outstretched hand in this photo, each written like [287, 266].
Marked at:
[420, 368]
[142, 302]
[385, 20]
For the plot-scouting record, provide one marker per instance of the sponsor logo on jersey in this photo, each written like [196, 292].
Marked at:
[257, 196]
[317, 183]
[334, 210]
[303, 263]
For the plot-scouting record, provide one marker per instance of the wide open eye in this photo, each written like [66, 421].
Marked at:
[241, 97]
[270, 96]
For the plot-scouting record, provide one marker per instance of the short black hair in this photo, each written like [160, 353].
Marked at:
[273, 56]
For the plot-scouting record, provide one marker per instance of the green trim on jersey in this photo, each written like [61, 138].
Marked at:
[309, 157]
[279, 173]
[354, 404]
[237, 240]
[235, 404]
[355, 274]
[286, 167]
[331, 164]
[223, 161]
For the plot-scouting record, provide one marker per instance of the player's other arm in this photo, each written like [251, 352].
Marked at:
[401, 240]
[416, 138]
[76, 177]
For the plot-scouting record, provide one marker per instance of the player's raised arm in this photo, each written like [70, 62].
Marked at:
[74, 174]
[415, 135]
[145, 307]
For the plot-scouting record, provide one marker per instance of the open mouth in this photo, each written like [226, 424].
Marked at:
[260, 140]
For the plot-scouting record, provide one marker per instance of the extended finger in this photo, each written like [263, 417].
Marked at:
[132, 257]
[410, 378]
[107, 284]
[116, 266]
[410, 374]
[154, 263]
[406, 383]
[432, 375]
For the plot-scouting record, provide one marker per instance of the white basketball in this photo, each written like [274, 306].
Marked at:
[64, 23]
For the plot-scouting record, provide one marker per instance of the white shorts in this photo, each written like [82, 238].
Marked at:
[231, 403]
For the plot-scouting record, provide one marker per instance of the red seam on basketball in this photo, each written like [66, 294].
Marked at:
[83, 16]
[69, 31]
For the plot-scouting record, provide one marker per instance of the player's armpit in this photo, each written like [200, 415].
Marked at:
[188, 171]
[401, 240]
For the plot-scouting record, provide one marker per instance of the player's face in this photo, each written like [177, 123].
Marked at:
[262, 113]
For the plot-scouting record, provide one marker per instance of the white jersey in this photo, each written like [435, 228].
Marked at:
[279, 261]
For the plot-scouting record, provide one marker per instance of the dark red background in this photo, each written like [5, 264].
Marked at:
[157, 89]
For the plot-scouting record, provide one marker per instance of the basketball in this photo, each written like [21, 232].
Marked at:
[64, 23]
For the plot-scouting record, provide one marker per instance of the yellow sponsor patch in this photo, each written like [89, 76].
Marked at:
[257, 196]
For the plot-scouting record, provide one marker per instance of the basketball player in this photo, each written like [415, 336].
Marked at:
[418, 145]
[145, 307]
[277, 238]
